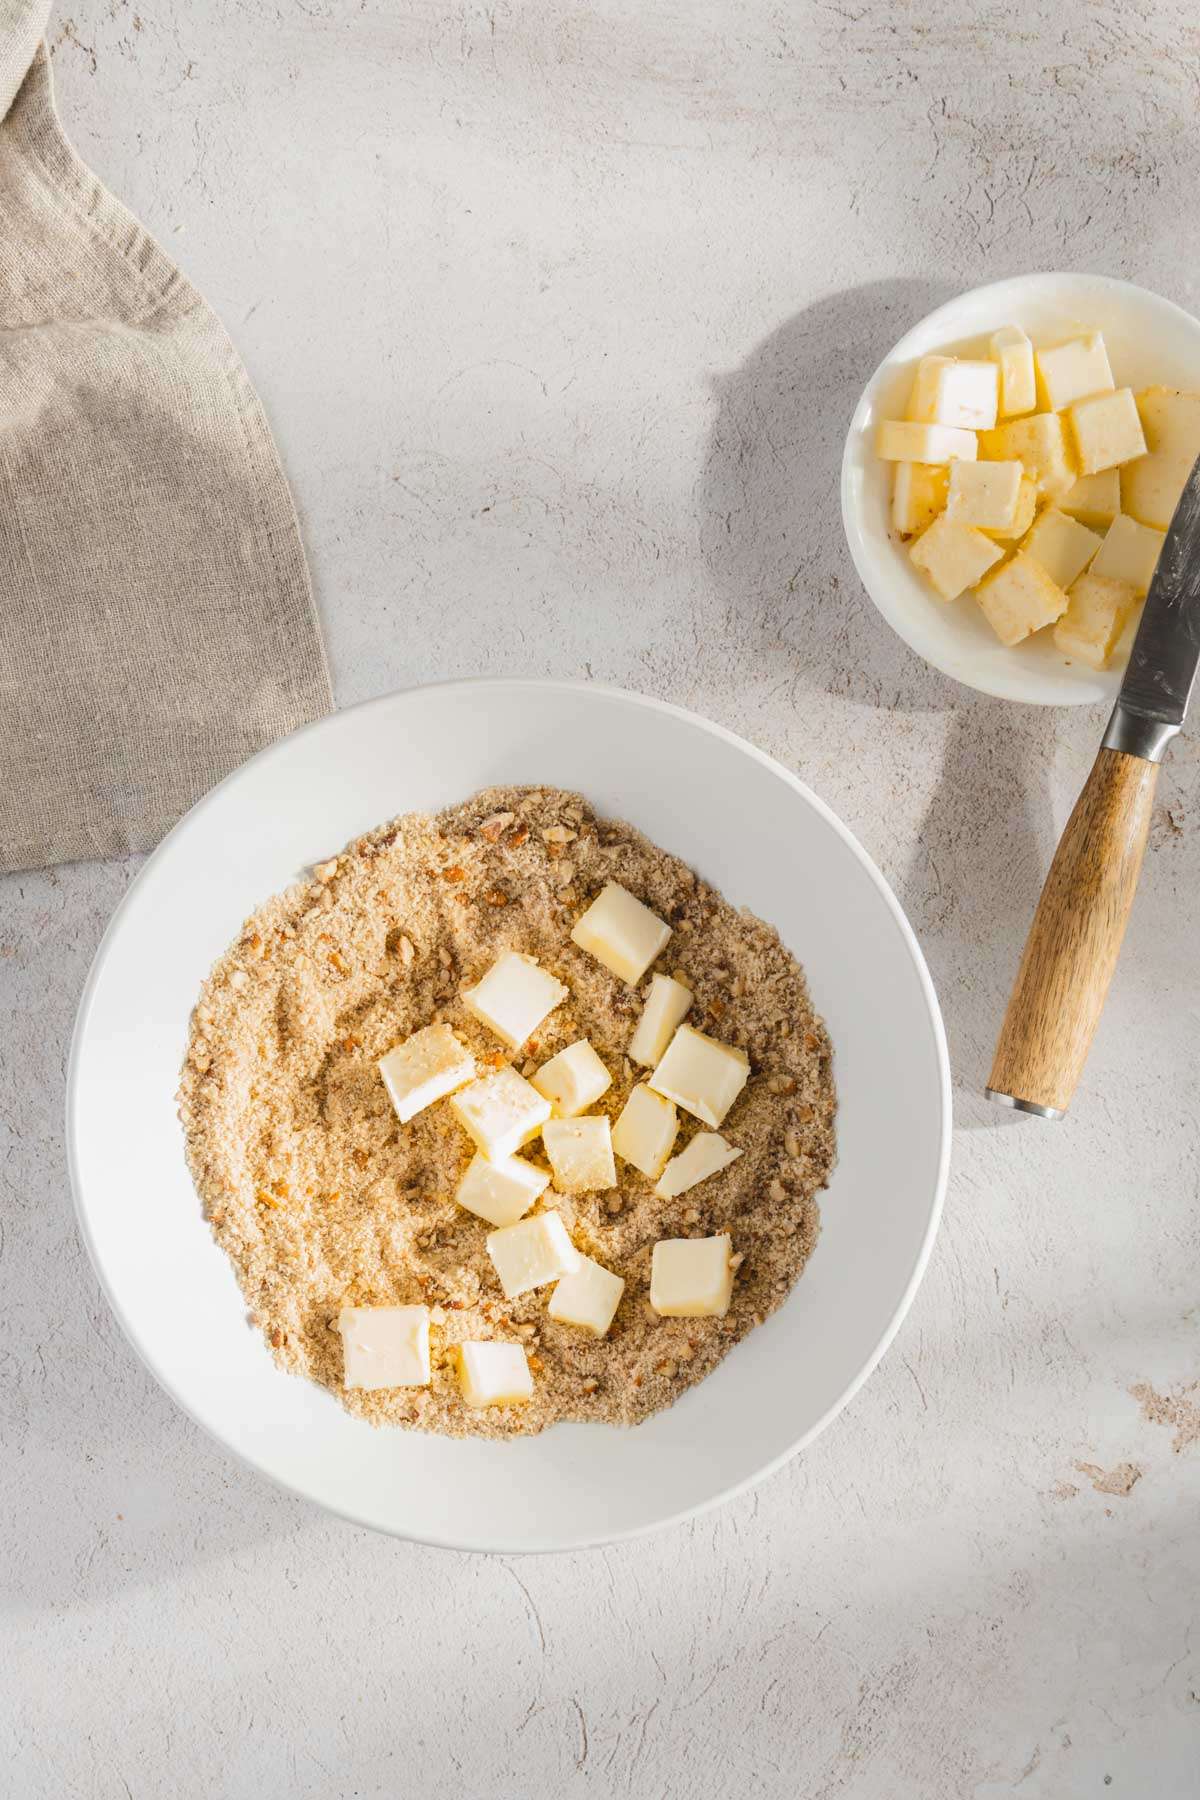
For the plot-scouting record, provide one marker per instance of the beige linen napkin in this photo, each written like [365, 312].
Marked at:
[156, 620]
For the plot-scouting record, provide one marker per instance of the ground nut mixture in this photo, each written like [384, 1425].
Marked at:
[322, 1199]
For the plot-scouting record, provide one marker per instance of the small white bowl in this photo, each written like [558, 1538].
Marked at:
[1150, 340]
[768, 843]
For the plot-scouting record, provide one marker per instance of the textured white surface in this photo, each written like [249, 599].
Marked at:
[559, 311]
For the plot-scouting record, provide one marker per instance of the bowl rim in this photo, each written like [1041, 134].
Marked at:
[998, 687]
[908, 938]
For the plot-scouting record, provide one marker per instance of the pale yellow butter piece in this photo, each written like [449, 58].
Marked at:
[984, 494]
[501, 1112]
[1027, 497]
[665, 1005]
[952, 390]
[580, 1154]
[1151, 486]
[1130, 552]
[691, 1278]
[531, 1253]
[1095, 500]
[953, 556]
[514, 997]
[899, 440]
[589, 1298]
[918, 495]
[492, 1374]
[1074, 370]
[1040, 442]
[384, 1346]
[645, 1133]
[572, 1080]
[1019, 598]
[1093, 622]
[1012, 352]
[707, 1154]
[500, 1192]
[701, 1074]
[424, 1068]
[1062, 545]
[1106, 430]
[622, 933]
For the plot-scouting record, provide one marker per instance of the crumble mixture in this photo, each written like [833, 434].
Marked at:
[322, 1199]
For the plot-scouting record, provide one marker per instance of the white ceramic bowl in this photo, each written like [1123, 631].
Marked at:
[751, 828]
[1149, 339]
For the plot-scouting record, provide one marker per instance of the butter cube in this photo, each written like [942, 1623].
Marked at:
[1040, 442]
[501, 1112]
[1093, 622]
[1013, 354]
[645, 1133]
[424, 1068]
[1106, 430]
[384, 1346]
[589, 1298]
[665, 1005]
[1062, 545]
[918, 496]
[984, 494]
[1150, 487]
[530, 1254]
[951, 390]
[1027, 497]
[953, 556]
[1019, 599]
[620, 932]
[1096, 499]
[514, 997]
[500, 1192]
[1129, 553]
[899, 440]
[580, 1153]
[572, 1080]
[706, 1155]
[691, 1278]
[1072, 371]
[492, 1374]
[702, 1075]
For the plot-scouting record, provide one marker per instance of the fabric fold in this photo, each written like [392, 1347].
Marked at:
[158, 624]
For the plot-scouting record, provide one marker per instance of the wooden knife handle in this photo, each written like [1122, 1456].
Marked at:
[1072, 948]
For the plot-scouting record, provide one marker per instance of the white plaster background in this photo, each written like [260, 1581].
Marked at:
[559, 310]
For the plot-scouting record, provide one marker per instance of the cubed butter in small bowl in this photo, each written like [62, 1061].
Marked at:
[1131, 394]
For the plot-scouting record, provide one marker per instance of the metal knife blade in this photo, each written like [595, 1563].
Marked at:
[1166, 650]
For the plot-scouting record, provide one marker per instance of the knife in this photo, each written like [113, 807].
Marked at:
[1075, 938]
